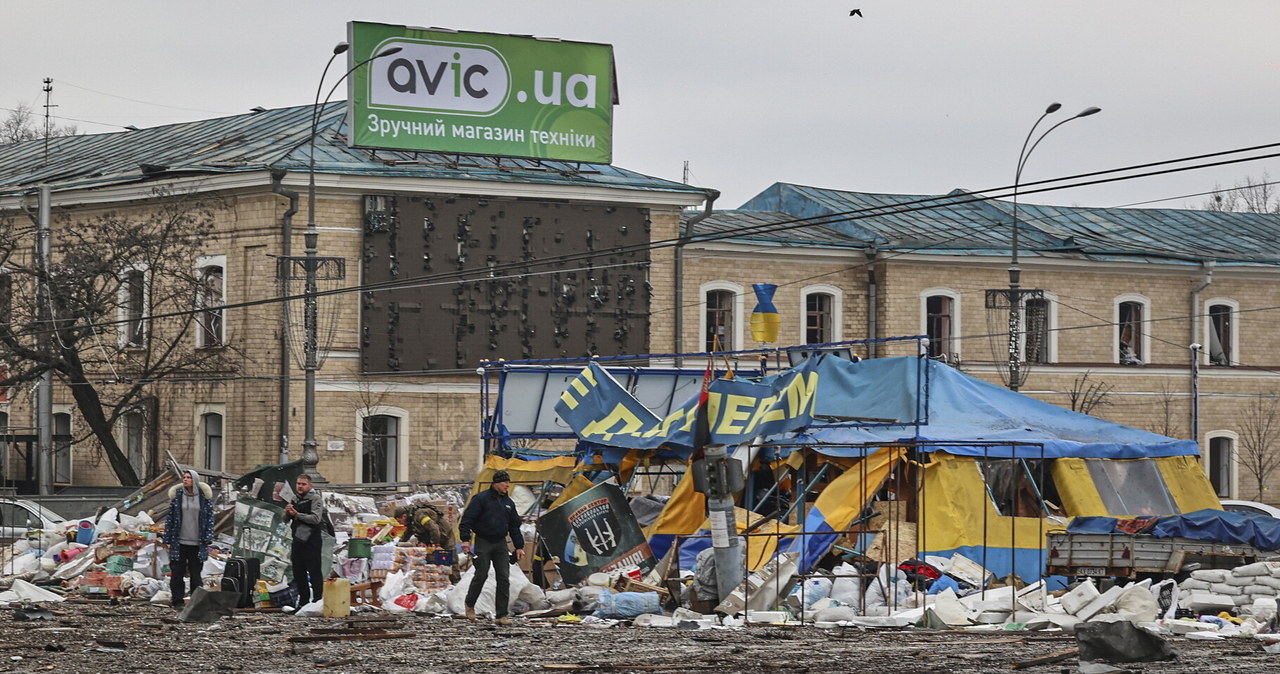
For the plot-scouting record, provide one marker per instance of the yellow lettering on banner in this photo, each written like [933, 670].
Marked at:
[736, 409]
[665, 427]
[620, 415]
[800, 394]
[762, 409]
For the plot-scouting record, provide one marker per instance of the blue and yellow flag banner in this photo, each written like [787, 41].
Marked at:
[602, 411]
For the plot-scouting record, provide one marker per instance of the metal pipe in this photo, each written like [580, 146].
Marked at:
[286, 249]
[1195, 350]
[44, 394]
[678, 298]
[872, 328]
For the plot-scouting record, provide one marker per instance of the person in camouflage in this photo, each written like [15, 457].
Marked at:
[426, 523]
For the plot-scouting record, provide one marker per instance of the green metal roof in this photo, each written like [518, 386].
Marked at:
[277, 139]
[966, 223]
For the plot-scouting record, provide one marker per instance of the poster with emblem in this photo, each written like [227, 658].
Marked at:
[595, 531]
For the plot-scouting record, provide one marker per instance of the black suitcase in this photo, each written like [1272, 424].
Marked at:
[241, 576]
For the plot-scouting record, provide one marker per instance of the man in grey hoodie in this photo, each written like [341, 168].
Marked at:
[306, 513]
[188, 531]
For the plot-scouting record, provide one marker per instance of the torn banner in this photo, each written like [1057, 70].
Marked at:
[595, 531]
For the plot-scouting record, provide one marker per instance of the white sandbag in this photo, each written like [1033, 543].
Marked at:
[1259, 591]
[1239, 581]
[1273, 583]
[812, 590]
[108, 522]
[161, 597]
[1137, 604]
[1194, 584]
[1224, 588]
[561, 596]
[534, 597]
[1210, 575]
[847, 587]
[436, 603]
[1255, 569]
[484, 604]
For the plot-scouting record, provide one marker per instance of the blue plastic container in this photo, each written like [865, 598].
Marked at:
[85, 532]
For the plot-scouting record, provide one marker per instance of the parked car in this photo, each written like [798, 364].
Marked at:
[19, 516]
[1251, 507]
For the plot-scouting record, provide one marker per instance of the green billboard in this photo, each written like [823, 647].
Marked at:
[480, 93]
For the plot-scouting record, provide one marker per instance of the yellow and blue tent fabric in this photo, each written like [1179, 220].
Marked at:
[840, 504]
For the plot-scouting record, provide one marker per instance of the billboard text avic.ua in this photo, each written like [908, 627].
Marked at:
[481, 93]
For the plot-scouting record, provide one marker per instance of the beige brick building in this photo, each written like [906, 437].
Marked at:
[1126, 293]
[446, 265]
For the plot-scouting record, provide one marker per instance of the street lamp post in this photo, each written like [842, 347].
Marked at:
[1015, 296]
[311, 264]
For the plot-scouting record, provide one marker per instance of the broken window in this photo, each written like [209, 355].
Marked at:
[135, 441]
[380, 448]
[1130, 326]
[1220, 344]
[209, 319]
[1021, 487]
[1036, 312]
[938, 310]
[134, 296]
[1132, 488]
[1221, 461]
[212, 423]
[720, 321]
[818, 318]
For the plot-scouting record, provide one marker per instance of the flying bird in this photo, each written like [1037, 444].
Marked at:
[856, 12]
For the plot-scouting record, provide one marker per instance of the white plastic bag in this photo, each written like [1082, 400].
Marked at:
[484, 605]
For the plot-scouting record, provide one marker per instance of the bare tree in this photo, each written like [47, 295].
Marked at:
[1086, 396]
[1252, 195]
[120, 315]
[1259, 450]
[1170, 412]
[21, 124]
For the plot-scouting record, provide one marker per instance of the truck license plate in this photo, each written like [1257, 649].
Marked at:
[1091, 571]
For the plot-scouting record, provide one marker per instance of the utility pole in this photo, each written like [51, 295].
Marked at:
[48, 110]
[44, 391]
[719, 476]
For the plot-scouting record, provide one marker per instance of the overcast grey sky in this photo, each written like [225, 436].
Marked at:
[914, 97]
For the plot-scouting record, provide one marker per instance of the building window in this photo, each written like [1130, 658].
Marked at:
[1131, 334]
[1221, 334]
[209, 301]
[6, 297]
[818, 318]
[133, 308]
[720, 320]
[1220, 464]
[940, 314]
[62, 448]
[1036, 313]
[212, 425]
[135, 442]
[380, 450]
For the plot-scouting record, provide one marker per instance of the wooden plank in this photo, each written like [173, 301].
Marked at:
[1058, 656]
[350, 637]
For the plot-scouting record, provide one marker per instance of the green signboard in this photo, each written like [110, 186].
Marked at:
[480, 93]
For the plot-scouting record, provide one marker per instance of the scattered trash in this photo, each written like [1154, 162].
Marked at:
[1120, 641]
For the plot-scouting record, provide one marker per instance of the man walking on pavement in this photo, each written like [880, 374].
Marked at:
[306, 514]
[492, 517]
[188, 531]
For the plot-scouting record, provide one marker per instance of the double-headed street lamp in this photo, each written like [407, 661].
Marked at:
[334, 267]
[1016, 296]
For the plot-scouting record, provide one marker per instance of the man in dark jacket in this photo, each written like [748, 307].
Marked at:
[306, 514]
[188, 531]
[492, 517]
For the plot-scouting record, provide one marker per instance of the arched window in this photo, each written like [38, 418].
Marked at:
[940, 320]
[210, 316]
[822, 314]
[1133, 340]
[721, 316]
[1221, 332]
[1220, 463]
